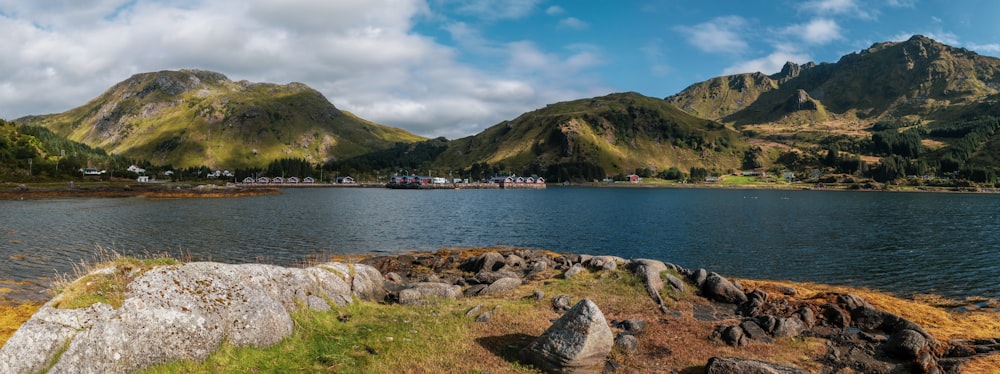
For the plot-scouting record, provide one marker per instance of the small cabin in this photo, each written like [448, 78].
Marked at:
[633, 178]
[249, 180]
[264, 180]
[345, 180]
[142, 179]
[277, 180]
[308, 180]
[292, 180]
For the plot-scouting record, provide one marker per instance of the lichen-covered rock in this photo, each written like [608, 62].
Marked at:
[501, 285]
[578, 342]
[721, 289]
[574, 270]
[176, 312]
[418, 293]
[739, 365]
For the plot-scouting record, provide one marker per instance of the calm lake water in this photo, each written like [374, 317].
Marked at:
[905, 243]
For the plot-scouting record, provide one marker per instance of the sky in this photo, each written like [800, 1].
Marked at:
[450, 67]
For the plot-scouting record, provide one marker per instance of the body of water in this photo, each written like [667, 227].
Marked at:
[905, 243]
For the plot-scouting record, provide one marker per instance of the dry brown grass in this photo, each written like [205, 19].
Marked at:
[12, 317]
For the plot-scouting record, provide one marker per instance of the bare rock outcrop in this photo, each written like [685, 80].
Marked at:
[577, 342]
[180, 312]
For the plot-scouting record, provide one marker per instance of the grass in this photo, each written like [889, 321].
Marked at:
[367, 337]
[104, 280]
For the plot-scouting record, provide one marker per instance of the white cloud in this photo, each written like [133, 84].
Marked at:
[769, 64]
[991, 48]
[839, 7]
[573, 23]
[554, 10]
[720, 35]
[364, 55]
[497, 9]
[817, 31]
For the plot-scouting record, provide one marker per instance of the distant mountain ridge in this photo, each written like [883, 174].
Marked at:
[917, 77]
[195, 117]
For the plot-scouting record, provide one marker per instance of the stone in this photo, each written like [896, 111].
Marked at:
[574, 270]
[905, 344]
[699, 276]
[537, 295]
[649, 272]
[835, 316]
[739, 365]
[489, 261]
[676, 283]
[474, 290]
[753, 331]
[578, 342]
[419, 293]
[807, 316]
[474, 310]
[487, 277]
[626, 343]
[631, 326]
[720, 289]
[734, 336]
[515, 261]
[788, 327]
[367, 283]
[501, 285]
[560, 303]
[178, 312]
[767, 322]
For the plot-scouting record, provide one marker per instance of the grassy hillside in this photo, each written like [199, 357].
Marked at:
[191, 117]
[619, 133]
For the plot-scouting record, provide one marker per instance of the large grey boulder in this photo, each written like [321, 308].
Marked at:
[738, 365]
[718, 288]
[577, 342]
[178, 312]
[419, 293]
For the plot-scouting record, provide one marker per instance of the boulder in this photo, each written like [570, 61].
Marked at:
[418, 293]
[489, 261]
[698, 277]
[753, 331]
[515, 262]
[626, 343]
[905, 344]
[649, 272]
[488, 277]
[560, 303]
[501, 285]
[176, 312]
[720, 289]
[631, 326]
[676, 283]
[788, 327]
[578, 342]
[574, 270]
[739, 365]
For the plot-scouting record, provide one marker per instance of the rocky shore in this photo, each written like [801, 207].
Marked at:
[186, 311]
[164, 191]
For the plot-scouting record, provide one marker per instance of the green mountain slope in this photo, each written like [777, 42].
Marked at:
[191, 117]
[619, 133]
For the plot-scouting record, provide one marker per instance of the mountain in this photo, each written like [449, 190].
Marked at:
[193, 117]
[617, 133]
[918, 77]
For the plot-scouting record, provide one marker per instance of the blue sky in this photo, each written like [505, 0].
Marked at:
[450, 67]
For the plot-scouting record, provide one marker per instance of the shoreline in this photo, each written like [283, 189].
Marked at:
[689, 318]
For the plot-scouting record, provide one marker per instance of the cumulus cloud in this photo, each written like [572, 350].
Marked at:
[817, 31]
[720, 35]
[363, 55]
[573, 23]
[840, 7]
[769, 64]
